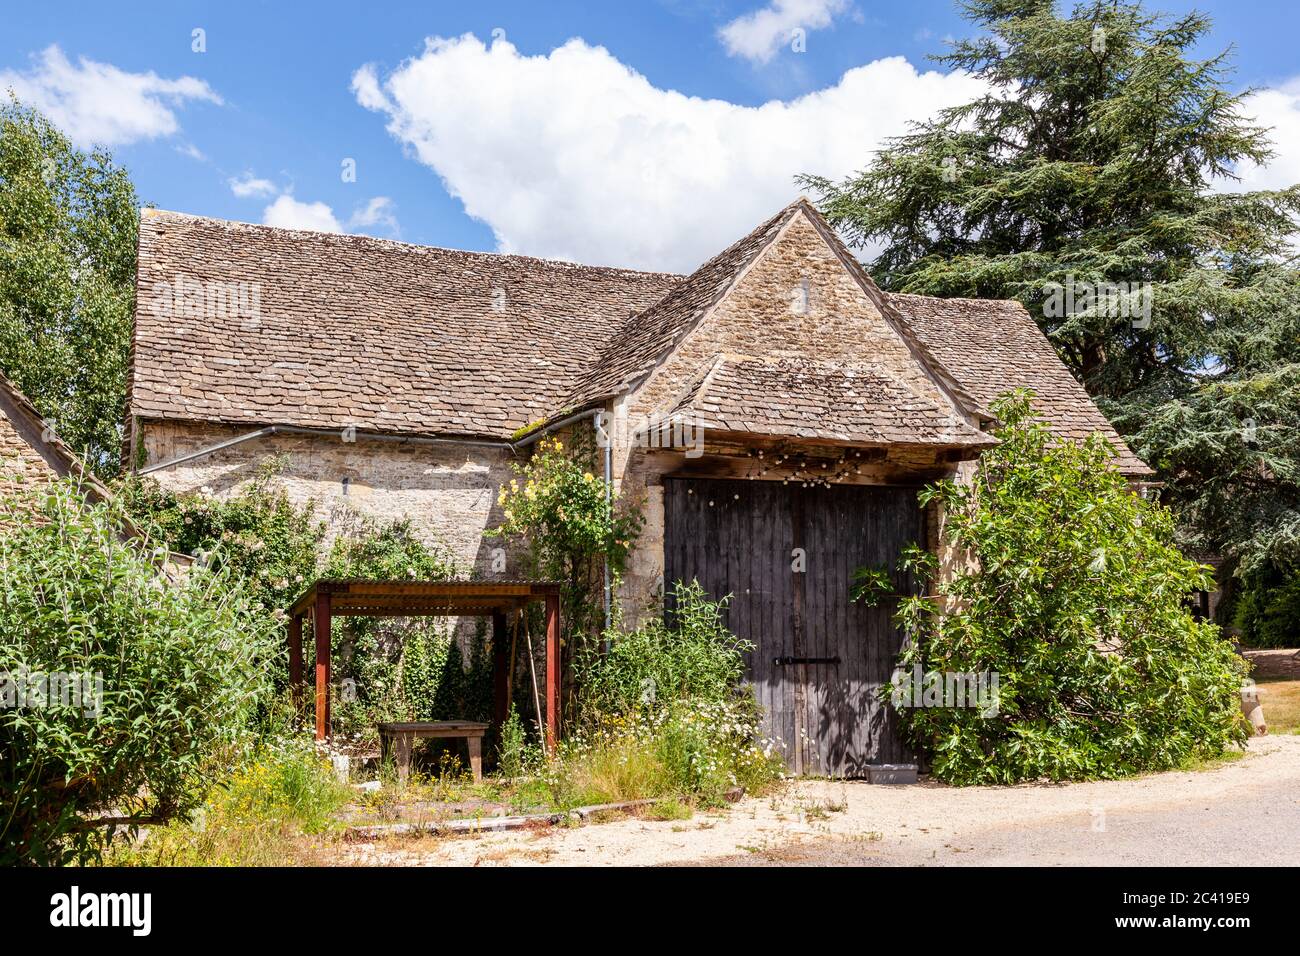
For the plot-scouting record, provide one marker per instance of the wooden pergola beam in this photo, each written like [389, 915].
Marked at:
[426, 596]
[321, 622]
[552, 671]
[326, 599]
[295, 660]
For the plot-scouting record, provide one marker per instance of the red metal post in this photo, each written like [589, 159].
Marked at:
[295, 661]
[552, 671]
[322, 620]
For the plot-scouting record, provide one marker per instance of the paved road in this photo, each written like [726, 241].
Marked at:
[1241, 813]
[1248, 815]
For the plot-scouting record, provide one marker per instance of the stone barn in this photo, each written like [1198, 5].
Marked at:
[774, 412]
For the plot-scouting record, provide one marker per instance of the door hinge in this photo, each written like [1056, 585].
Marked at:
[786, 661]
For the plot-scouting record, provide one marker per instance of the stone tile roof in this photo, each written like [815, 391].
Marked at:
[638, 344]
[992, 346]
[404, 339]
[858, 403]
[351, 330]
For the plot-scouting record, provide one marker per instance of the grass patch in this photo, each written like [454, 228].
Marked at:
[824, 809]
[1210, 763]
[670, 810]
[695, 752]
[276, 809]
[1281, 702]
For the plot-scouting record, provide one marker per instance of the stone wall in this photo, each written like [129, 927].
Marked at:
[766, 315]
[448, 491]
[19, 461]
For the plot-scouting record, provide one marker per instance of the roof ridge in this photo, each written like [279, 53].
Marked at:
[150, 212]
[953, 298]
[598, 378]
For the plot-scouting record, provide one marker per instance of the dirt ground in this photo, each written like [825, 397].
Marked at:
[1238, 813]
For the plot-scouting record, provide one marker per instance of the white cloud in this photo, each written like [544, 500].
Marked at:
[576, 156]
[1278, 108]
[248, 186]
[288, 213]
[758, 35]
[379, 214]
[365, 84]
[98, 104]
[375, 217]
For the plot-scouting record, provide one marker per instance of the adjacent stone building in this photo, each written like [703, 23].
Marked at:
[30, 451]
[773, 413]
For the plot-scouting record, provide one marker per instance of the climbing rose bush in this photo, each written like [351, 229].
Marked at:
[564, 524]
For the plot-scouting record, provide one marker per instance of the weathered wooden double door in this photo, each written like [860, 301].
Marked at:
[786, 555]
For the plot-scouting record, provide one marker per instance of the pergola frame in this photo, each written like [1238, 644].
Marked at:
[326, 599]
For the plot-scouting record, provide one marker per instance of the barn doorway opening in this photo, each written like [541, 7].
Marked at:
[786, 554]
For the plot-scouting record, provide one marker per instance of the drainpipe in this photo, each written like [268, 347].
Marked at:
[327, 432]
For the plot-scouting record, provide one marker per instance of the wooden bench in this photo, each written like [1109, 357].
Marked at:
[401, 737]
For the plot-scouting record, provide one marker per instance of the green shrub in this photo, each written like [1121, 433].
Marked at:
[255, 815]
[1266, 610]
[1075, 599]
[692, 656]
[389, 668]
[257, 534]
[664, 712]
[514, 756]
[184, 665]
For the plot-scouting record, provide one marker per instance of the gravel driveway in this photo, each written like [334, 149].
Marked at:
[1240, 813]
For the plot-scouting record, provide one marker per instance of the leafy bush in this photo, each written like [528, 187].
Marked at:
[391, 668]
[1075, 598]
[693, 656]
[184, 664]
[257, 534]
[1266, 610]
[663, 712]
[255, 816]
[514, 755]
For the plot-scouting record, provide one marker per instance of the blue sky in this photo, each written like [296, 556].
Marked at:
[653, 152]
